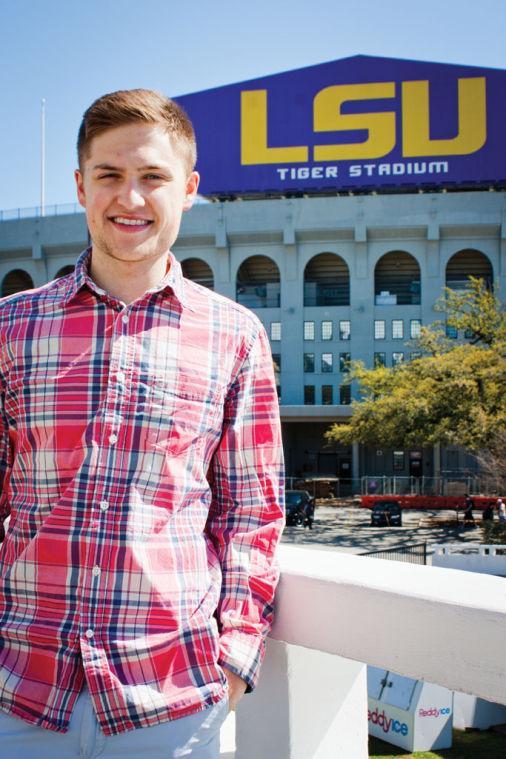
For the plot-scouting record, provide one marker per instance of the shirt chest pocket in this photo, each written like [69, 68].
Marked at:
[180, 416]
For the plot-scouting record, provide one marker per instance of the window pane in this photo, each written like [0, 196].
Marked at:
[326, 362]
[276, 360]
[344, 329]
[345, 395]
[397, 329]
[414, 330]
[398, 461]
[397, 358]
[326, 330]
[452, 332]
[309, 362]
[275, 330]
[380, 359]
[415, 355]
[344, 362]
[308, 330]
[327, 395]
[379, 329]
[309, 395]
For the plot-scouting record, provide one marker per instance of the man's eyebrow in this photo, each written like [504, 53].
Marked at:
[150, 167]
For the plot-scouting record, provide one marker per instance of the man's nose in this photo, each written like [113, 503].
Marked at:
[130, 194]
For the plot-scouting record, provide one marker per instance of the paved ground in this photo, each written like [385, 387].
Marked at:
[348, 529]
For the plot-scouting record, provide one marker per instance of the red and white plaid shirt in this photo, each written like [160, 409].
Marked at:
[141, 465]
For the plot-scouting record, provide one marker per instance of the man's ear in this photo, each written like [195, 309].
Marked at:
[192, 185]
[80, 188]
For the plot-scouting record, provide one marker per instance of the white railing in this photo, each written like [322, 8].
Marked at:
[471, 557]
[34, 212]
[336, 611]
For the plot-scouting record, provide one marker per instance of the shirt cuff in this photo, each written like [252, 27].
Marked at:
[242, 654]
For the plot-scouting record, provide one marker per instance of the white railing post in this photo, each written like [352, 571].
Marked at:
[308, 705]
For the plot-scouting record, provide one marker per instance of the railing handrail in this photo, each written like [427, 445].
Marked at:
[423, 622]
[35, 212]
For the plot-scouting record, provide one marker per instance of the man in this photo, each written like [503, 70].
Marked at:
[141, 465]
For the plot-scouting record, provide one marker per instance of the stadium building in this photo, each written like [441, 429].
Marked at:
[343, 198]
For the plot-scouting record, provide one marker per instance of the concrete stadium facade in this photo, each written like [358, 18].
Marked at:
[332, 278]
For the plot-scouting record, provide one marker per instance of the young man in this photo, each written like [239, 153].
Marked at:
[141, 465]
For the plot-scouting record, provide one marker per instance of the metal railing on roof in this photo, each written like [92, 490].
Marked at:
[34, 212]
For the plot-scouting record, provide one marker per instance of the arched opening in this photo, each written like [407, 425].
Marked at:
[326, 281]
[258, 283]
[64, 271]
[397, 280]
[198, 271]
[16, 281]
[468, 263]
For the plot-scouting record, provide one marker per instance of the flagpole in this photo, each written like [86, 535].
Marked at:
[42, 155]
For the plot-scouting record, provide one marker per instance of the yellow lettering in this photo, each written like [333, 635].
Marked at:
[254, 148]
[472, 120]
[328, 118]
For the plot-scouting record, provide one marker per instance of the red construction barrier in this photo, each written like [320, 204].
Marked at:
[428, 501]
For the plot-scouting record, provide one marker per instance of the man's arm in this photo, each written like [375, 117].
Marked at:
[247, 516]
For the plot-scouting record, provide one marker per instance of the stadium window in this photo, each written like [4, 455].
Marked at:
[276, 360]
[326, 330]
[469, 334]
[452, 332]
[308, 330]
[415, 355]
[398, 461]
[309, 362]
[309, 395]
[327, 395]
[397, 358]
[344, 362]
[326, 362]
[344, 329]
[414, 328]
[275, 330]
[380, 359]
[379, 329]
[345, 395]
[397, 329]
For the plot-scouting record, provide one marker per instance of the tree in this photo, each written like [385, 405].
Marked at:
[454, 394]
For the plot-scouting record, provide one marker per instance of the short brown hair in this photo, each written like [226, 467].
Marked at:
[133, 106]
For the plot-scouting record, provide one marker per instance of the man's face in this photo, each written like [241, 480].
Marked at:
[135, 186]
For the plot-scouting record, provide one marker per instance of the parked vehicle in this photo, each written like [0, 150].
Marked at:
[299, 508]
[386, 514]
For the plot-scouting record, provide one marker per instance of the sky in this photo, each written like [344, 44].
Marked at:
[71, 52]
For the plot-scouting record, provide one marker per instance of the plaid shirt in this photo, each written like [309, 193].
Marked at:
[141, 465]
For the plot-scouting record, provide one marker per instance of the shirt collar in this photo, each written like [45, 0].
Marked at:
[173, 280]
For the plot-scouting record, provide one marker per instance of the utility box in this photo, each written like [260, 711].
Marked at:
[411, 714]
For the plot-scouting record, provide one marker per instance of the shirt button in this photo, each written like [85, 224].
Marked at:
[89, 634]
[124, 319]
[95, 571]
[113, 439]
[120, 376]
[104, 505]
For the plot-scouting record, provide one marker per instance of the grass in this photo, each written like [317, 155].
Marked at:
[476, 744]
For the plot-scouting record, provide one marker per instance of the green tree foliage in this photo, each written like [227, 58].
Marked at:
[454, 394]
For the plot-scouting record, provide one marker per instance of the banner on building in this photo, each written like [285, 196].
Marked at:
[359, 123]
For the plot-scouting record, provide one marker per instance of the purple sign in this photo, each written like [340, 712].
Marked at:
[358, 123]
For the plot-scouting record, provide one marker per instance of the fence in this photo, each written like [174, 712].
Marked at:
[412, 554]
[446, 485]
[33, 212]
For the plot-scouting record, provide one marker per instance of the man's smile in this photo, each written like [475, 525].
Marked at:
[129, 224]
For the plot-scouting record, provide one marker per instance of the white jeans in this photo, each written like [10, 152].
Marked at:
[196, 737]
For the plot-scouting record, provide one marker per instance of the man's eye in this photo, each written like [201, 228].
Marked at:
[108, 176]
[153, 176]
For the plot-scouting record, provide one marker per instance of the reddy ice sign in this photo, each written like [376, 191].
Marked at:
[355, 123]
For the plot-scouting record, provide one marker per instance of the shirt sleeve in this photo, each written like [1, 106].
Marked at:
[247, 512]
[5, 464]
